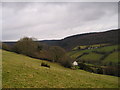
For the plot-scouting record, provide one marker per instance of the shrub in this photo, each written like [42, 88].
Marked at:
[56, 53]
[0, 45]
[99, 70]
[5, 47]
[85, 67]
[45, 65]
[66, 61]
[26, 46]
[29, 47]
[75, 67]
[108, 70]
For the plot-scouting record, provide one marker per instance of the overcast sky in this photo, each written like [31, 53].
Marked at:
[46, 21]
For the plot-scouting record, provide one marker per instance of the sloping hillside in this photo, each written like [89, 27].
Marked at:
[68, 43]
[110, 36]
[23, 72]
[104, 55]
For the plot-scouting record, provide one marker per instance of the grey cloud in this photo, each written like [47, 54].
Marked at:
[56, 20]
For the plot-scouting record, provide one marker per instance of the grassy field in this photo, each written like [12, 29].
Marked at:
[84, 46]
[103, 49]
[20, 71]
[113, 57]
[77, 53]
[0, 69]
[107, 49]
[93, 56]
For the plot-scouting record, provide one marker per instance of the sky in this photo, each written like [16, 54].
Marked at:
[56, 20]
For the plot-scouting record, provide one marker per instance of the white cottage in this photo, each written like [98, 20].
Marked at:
[75, 63]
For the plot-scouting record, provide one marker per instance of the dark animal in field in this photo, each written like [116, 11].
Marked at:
[45, 65]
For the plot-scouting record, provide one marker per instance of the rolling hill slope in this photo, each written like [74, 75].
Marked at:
[110, 36]
[20, 71]
[102, 56]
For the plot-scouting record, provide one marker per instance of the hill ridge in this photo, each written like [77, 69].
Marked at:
[110, 36]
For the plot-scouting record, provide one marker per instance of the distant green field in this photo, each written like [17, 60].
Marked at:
[93, 56]
[84, 46]
[107, 49]
[20, 71]
[113, 57]
[103, 49]
[77, 53]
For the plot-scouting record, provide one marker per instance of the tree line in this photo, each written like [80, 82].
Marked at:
[30, 47]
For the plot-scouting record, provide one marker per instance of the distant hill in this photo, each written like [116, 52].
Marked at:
[110, 36]
[68, 43]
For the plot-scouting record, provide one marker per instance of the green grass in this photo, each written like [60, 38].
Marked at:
[20, 71]
[0, 69]
[107, 49]
[75, 54]
[113, 57]
[91, 57]
[84, 46]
